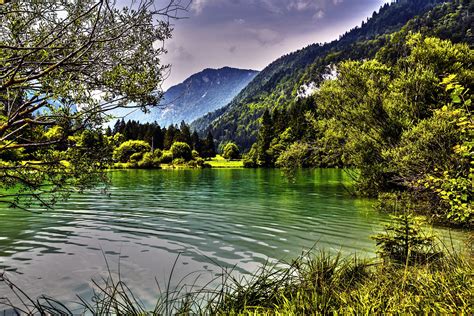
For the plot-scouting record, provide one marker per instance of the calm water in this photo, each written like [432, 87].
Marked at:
[211, 219]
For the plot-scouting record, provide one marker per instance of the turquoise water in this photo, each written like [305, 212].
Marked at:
[211, 219]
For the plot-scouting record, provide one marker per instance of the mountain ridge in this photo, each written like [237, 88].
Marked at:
[200, 93]
[278, 83]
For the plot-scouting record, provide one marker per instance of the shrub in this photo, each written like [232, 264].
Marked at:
[179, 161]
[124, 152]
[148, 161]
[231, 151]
[166, 157]
[158, 153]
[136, 157]
[195, 154]
[181, 150]
[296, 156]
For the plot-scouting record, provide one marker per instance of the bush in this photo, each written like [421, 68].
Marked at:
[231, 151]
[125, 151]
[250, 158]
[136, 157]
[296, 156]
[195, 154]
[181, 150]
[148, 161]
[157, 153]
[179, 161]
[166, 157]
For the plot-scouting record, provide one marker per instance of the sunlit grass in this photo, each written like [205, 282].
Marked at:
[313, 284]
[221, 162]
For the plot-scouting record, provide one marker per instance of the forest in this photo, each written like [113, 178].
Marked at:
[403, 120]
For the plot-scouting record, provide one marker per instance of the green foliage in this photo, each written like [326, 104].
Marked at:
[167, 157]
[231, 151]
[149, 160]
[404, 241]
[56, 56]
[296, 156]
[250, 159]
[179, 161]
[195, 154]
[208, 146]
[131, 149]
[407, 124]
[15, 154]
[181, 150]
[279, 84]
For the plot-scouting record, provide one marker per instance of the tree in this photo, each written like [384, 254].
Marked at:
[209, 149]
[63, 65]
[169, 137]
[407, 125]
[231, 151]
[181, 150]
[129, 148]
[196, 142]
[185, 134]
[265, 136]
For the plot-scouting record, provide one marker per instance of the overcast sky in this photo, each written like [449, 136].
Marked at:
[250, 34]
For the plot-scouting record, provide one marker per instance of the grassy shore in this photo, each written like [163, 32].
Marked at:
[221, 162]
[217, 162]
[313, 284]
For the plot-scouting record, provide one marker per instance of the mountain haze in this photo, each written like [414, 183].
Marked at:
[203, 92]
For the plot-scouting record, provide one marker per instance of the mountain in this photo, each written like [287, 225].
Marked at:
[279, 84]
[203, 92]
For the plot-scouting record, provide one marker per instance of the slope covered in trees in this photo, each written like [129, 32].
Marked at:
[403, 119]
[278, 85]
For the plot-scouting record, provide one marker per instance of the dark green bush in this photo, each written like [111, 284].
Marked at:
[181, 150]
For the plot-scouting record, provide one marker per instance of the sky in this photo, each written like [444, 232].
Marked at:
[250, 34]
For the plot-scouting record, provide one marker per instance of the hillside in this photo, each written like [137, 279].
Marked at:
[203, 92]
[278, 85]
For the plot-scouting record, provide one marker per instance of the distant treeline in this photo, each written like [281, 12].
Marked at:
[163, 138]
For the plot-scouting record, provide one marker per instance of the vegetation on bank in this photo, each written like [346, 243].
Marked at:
[415, 274]
[404, 120]
[64, 65]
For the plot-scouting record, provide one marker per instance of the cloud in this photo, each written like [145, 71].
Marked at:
[300, 5]
[198, 5]
[239, 21]
[266, 36]
[317, 8]
[253, 33]
[179, 52]
[273, 6]
[319, 15]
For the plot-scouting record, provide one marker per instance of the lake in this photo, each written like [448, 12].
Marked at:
[212, 219]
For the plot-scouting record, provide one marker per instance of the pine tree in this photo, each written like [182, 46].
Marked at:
[209, 146]
[185, 133]
[169, 137]
[265, 137]
[197, 144]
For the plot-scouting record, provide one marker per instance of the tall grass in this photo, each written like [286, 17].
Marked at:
[316, 283]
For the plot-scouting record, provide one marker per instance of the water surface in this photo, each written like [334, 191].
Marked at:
[212, 219]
